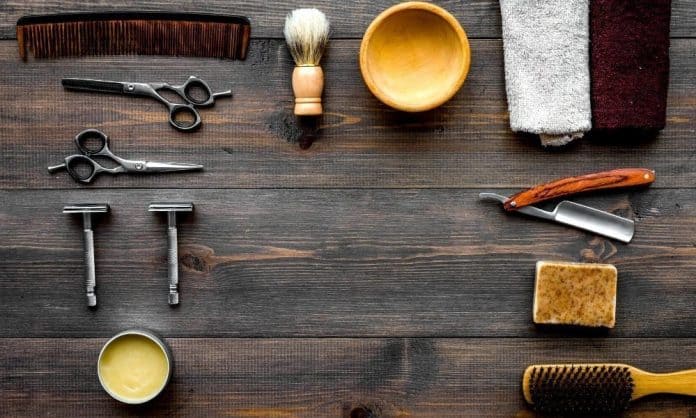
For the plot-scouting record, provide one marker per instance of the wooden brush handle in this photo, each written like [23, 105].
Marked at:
[307, 84]
[623, 177]
[678, 383]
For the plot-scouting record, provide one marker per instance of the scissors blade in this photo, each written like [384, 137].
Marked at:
[157, 167]
[99, 86]
[578, 216]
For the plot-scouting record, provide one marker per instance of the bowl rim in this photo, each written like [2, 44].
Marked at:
[150, 336]
[451, 90]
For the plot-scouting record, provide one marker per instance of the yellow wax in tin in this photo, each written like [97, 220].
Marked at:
[134, 368]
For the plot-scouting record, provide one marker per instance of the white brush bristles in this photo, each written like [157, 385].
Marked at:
[306, 32]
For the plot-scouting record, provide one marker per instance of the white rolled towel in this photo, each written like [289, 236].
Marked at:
[547, 68]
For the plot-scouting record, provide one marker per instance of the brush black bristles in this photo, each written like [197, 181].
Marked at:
[580, 389]
[134, 33]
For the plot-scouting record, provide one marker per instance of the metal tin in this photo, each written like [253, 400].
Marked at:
[152, 337]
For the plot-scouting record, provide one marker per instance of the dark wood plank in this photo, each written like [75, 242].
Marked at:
[350, 20]
[332, 263]
[326, 377]
[339, 261]
[466, 143]
[480, 18]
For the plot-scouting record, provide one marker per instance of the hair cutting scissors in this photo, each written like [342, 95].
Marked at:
[73, 163]
[194, 93]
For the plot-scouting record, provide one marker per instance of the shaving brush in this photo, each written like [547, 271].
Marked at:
[307, 33]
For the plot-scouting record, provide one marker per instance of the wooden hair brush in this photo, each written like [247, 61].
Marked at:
[134, 33]
[307, 33]
[597, 388]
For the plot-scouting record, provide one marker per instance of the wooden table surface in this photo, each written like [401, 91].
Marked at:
[360, 277]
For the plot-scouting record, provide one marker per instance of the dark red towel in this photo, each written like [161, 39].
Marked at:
[629, 64]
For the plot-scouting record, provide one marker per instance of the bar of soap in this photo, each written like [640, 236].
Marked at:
[575, 294]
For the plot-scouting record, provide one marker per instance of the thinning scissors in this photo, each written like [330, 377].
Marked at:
[73, 162]
[194, 93]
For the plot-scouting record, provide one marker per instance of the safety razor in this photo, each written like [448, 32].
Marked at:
[87, 209]
[172, 244]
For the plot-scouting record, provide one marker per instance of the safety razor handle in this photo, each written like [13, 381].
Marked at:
[171, 208]
[90, 273]
[173, 265]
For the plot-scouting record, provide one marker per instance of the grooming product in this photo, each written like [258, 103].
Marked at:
[86, 157]
[184, 116]
[87, 209]
[580, 294]
[590, 389]
[414, 56]
[574, 214]
[134, 366]
[307, 33]
[172, 247]
[629, 63]
[134, 33]
[547, 73]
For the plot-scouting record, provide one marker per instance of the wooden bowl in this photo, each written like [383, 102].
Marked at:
[414, 56]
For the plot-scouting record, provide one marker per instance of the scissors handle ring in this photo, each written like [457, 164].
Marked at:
[70, 167]
[177, 109]
[207, 98]
[82, 138]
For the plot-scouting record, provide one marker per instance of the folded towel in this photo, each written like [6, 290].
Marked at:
[547, 71]
[629, 63]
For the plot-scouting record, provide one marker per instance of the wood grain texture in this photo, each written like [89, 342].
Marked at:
[338, 268]
[480, 18]
[287, 378]
[332, 263]
[361, 142]
[569, 186]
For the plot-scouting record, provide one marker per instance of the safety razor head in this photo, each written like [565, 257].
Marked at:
[171, 207]
[86, 208]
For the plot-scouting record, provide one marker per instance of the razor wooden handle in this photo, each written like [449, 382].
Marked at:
[623, 177]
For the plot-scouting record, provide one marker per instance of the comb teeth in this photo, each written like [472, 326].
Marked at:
[192, 35]
[581, 389]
